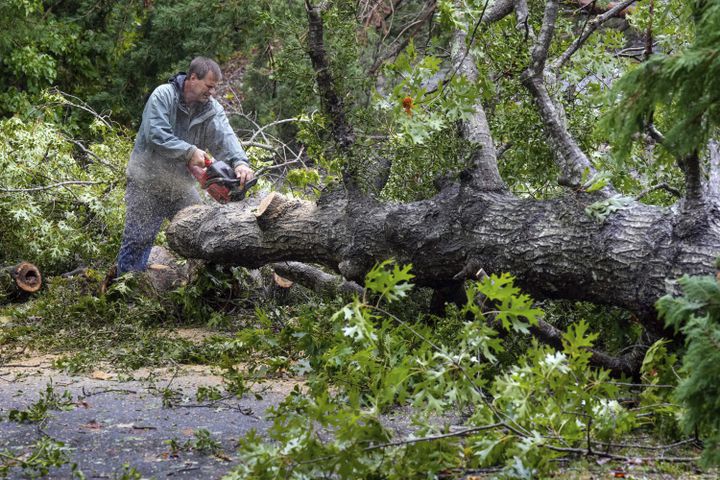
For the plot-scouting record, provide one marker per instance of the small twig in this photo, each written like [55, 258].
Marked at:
[86, 394]
[647, 447]
[641, 385]
[82, 106]
[459, 433]
[48, 187]
[660, 186]
[272, 124]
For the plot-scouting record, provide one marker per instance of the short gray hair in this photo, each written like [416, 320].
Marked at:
[200, 66]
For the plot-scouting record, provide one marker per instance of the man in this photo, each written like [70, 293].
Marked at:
[180, 124]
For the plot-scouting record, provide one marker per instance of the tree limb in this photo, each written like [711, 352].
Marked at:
[571, 159]
[713, 184]
[628, 364]
[660, 186]
[592, 26]
[316, 279]
[694, 191]
[476, 128]
[331, 101]
[522, 15]
[552, 246]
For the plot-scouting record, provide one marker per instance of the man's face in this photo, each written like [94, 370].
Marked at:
[200, 90]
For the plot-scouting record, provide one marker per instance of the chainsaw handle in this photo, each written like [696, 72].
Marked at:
[208, 160]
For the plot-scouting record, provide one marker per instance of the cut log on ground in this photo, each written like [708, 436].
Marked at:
[19, 281]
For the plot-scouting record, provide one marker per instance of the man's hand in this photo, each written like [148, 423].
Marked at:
[197, 159]
[244, 174]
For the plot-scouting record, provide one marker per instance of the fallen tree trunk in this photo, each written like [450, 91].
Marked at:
[553, 247]
[19, 281]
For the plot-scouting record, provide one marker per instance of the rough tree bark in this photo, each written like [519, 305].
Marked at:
[553, 247]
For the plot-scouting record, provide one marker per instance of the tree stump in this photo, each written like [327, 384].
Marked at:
[19, 281]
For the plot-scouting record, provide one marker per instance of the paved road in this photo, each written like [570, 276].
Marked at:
[124, 422]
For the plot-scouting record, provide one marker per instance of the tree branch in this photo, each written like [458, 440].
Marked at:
[660, 186]
[713, 184]
[690, 165]
[476, 128]
[48, 187]
[571, 159]
[592, 26]
[412, 30]
[522, 15]
[331, 101]
[628, 364]
[316, 279]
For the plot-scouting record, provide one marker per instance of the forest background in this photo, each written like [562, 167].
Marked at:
[406, 92]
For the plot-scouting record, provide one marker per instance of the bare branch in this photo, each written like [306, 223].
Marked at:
[522, 15]
[498, 10]
[260, 129]
[48, 187]
[660, 186]
[476, 128]
[572, 161]
[592, 26]
[81, 105]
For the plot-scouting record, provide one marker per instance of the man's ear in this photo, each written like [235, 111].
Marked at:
[193, 76]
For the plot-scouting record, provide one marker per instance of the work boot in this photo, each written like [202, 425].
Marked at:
[109, 279]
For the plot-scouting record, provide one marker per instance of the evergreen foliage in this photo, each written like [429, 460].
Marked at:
[680, 89]
[696, 313]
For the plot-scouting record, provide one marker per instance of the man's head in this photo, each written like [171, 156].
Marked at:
[202, 78]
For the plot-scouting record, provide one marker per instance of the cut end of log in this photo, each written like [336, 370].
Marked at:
[269, 205]
[27, 277]
[282, 282]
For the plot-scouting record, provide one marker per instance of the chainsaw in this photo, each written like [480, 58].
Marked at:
[220, 181]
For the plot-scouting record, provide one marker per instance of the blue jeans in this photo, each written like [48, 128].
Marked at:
[145, 212]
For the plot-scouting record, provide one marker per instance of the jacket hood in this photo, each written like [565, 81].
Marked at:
[178, 80]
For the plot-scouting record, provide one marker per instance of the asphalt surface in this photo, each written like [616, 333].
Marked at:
[116, 421]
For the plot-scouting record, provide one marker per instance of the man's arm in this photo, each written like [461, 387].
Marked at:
[159, 131]
[225, 146]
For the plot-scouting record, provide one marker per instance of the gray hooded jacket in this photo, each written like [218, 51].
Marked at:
[169, 134]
